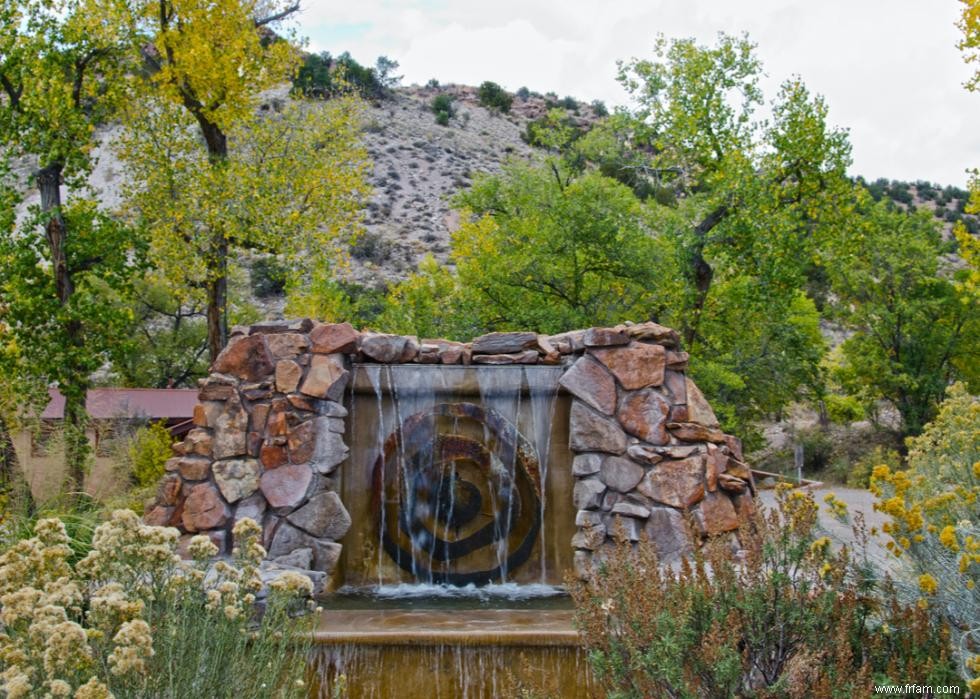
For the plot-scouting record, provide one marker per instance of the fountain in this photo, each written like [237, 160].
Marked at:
[439, 493]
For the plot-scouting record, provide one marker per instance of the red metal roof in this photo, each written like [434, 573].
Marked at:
[105, 403]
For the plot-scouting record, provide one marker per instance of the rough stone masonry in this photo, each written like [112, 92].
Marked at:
[650, 458]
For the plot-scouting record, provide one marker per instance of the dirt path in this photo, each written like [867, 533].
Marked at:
[857, 500]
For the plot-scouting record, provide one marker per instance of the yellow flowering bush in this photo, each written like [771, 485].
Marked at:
[934, 506]
[131, 619]
[790, 616]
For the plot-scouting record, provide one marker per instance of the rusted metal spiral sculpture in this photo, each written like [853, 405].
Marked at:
[457, 493]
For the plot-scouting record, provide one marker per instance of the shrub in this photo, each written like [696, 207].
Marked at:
[860, 473]
[492, 96]
[599, 108]
[149, 450]
[935, 523]
[268, 276]
[132, 620]
[523, 94]
[442, 107]
[707, 628]
[844, 409]
[433, 83]
[570, 103]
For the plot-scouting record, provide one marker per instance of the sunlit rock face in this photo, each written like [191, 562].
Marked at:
[512, 458]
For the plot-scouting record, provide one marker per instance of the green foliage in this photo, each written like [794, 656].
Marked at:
[430, 303]
[290, 184]
[704, 628]
[843, 409]
[65, 270]
[860, 474]
[913, 328]
[442, 107]
[323, 76]
[167, 345]
[544, 250]
[935, 522]
[492, 96]
[268, 277]
[148, 450]
[599, 108]
[554, 131]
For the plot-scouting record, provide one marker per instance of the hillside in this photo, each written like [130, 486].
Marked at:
[417, 165]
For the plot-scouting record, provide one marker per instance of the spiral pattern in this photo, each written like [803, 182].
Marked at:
[457, 492]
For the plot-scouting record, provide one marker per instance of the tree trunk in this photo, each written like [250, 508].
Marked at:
[217, 288]
[76, 386]
[77, 447]
[12, 479]
[700, 271]
[218, 299]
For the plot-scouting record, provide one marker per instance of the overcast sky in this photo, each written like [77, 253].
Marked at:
[889, 69]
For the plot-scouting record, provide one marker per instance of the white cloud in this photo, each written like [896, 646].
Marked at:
[889, 69]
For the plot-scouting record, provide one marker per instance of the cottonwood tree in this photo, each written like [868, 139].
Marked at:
[210, 173]
[747, 201]
[914, 329]
[65, 264]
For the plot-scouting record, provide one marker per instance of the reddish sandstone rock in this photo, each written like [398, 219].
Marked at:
[198, 441]
[715, 515]
[200, 416]
[676, 384]
[288, 375]
[194, 468]
[411, 350]
[636, 366]
[677, 360]
[286, 486]
[287, 345]
[216, 392]
[168, 492]
[324, 516]
[272, 456]
[591, 383]
[590, 431]
[260, 413]
[301, 441]
[334, 337]
[204, 509]
[382, 348]
[644, 414]
[695, 432]
[504, 343]
[327, 377]
[679, 484]
[525, 357]
[247, 358]
[605, 337]
[644, 454]
[698, 409]
[653, 332]
[159, 516]
[230, 430]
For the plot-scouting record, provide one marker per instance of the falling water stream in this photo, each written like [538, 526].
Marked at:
[459, 488]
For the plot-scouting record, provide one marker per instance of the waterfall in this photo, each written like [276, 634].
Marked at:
[455, 462]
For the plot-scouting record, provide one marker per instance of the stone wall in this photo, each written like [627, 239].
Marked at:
[268, 437]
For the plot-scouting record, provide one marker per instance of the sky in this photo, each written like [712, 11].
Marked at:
[889, 69]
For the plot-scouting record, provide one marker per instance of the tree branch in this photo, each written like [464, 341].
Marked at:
[278, 16]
